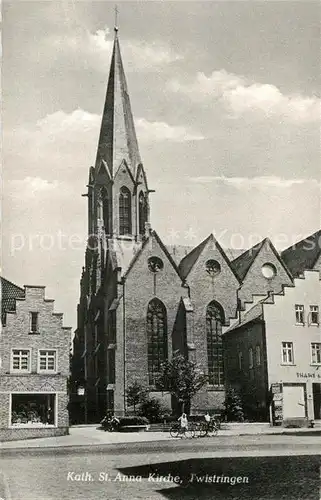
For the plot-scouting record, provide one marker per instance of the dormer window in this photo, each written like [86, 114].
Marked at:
[34, 327]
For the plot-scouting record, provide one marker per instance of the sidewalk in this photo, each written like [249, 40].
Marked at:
[92, 435]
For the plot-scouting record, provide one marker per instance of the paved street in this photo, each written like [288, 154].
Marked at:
[256, 467]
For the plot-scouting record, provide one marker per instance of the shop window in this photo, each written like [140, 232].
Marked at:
[251, 358]
[20, 360]
[47, 361]
[258, 355]
[28, 410]
[314, 315]
[34, 322]
[316, 353]
[287, 353]
[299, 314]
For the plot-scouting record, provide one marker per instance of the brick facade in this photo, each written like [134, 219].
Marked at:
[250, 381]
[51, 336]
[203, 290]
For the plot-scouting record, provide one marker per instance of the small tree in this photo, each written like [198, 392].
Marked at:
[182, 378]
[135, 394]
[152, 409]
[233, 408]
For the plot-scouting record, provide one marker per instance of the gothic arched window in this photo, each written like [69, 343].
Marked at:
[142, 212]
[157, 347]
[125, 211]
[214, 322]
[100, 206]
[103, 208]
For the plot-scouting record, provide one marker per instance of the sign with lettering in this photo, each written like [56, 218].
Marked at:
[308, 375]
[277, 403]
[276, 388]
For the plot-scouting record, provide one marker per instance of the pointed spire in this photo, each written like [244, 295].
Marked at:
[117, 139]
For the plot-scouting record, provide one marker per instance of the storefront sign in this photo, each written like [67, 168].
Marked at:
[308, 375]
[276, 388]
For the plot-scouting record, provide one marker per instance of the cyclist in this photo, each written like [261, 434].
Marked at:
[183, 423]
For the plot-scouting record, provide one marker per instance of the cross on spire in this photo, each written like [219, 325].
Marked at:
[116, 19]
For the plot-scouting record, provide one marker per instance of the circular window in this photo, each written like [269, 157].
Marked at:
[213, 267]
[155, 264]
[268, 271]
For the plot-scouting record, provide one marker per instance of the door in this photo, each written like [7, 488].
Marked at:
[316, 390]
[294, 405]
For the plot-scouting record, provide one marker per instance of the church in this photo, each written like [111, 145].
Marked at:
[138, 301]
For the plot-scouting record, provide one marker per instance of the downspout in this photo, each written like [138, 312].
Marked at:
[238, 302]
[124, 343]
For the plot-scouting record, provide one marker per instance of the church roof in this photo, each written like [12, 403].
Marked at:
[187, 263]
[117, 139]
[303, 255]
[243, 262]
[9, 293]
[256, 312]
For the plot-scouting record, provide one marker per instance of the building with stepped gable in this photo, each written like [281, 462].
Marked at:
[34, 365]
[139, 300]
[273, 353]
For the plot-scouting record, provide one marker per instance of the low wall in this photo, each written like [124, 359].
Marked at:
[255, 427]
[17, 434]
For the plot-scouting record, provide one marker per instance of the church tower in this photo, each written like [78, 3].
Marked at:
[118, 196]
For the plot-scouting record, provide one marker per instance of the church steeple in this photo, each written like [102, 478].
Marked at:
[117, 139]
[118, 194]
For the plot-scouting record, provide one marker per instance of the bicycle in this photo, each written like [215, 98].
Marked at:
[109, 425]
[176, 430]
[205, 428]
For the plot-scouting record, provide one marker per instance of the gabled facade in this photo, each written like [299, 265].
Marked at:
[261, 271]
[34, 368]
[212, 286]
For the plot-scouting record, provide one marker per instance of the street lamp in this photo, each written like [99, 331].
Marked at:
[80, 390]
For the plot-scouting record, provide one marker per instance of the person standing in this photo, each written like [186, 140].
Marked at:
[183, 423]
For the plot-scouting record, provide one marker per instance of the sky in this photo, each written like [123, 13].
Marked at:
[226, 102]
